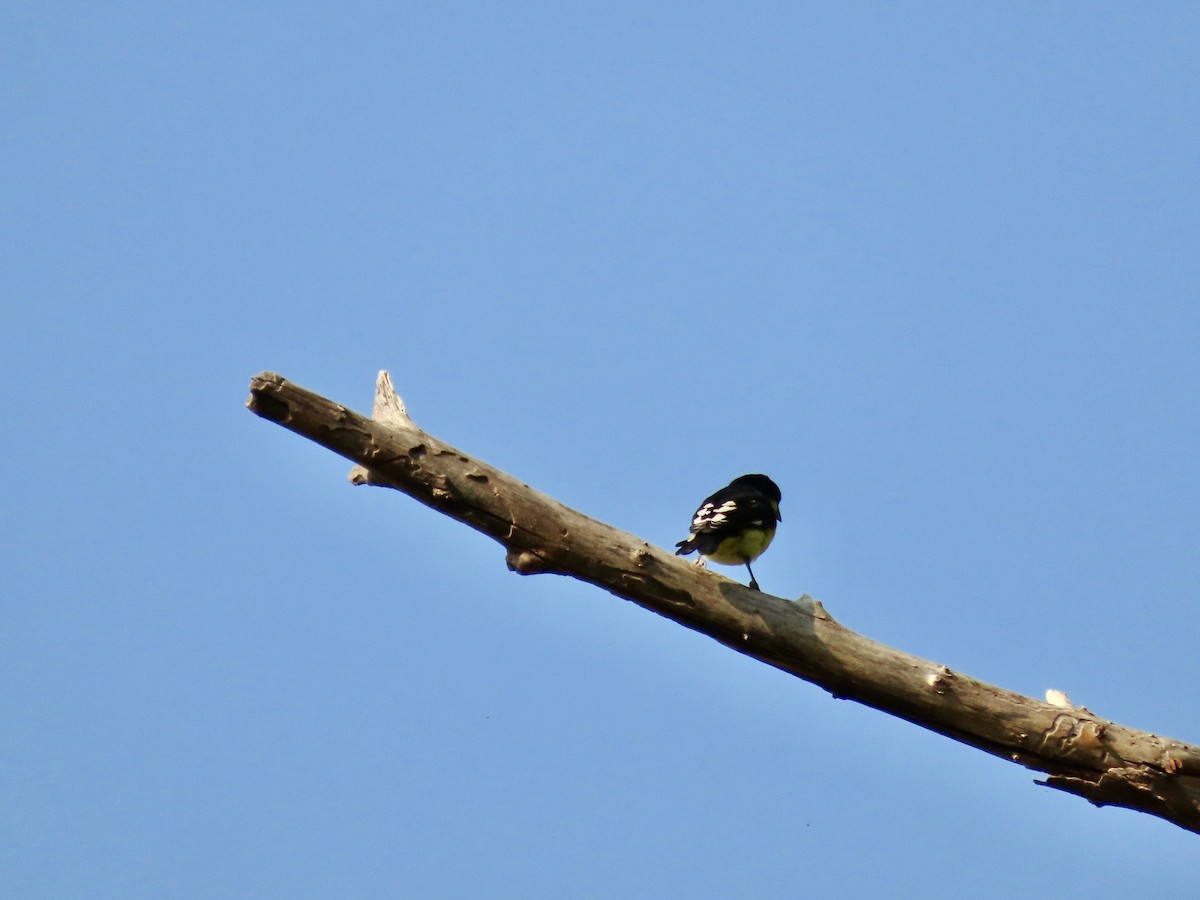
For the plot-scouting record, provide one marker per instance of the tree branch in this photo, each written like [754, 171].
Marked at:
[1106, 763]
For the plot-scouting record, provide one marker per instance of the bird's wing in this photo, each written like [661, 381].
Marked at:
[713, 516]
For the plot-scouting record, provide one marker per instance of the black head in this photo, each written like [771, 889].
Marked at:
[759, 483]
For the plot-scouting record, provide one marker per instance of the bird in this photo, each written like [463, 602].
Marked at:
[736, 524]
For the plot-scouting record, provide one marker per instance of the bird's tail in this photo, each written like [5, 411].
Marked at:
[685, 547]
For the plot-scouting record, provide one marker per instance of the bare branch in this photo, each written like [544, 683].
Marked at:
[1081, 753]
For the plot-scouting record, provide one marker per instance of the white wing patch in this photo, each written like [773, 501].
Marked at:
[709, 517]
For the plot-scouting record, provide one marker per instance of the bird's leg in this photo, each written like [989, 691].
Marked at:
[702, 562]
[753, 582]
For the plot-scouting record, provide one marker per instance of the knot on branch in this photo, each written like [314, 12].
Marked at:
[526, 562]
[939, 680]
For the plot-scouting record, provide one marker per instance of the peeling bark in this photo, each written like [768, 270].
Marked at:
[1081, 753]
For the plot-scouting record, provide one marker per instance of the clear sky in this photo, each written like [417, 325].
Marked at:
[933, 267]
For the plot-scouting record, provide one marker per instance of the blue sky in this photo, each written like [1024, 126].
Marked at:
[932, 267]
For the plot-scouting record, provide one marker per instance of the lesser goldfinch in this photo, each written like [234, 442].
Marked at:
[736, 524]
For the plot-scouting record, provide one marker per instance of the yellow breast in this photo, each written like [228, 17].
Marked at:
[743, 548]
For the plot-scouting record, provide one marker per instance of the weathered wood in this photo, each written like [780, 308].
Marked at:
[1107, 763]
